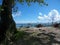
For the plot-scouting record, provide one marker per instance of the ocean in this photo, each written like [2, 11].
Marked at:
[31, 24]
[26, 24]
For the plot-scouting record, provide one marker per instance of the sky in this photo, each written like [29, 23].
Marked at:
[36, 13]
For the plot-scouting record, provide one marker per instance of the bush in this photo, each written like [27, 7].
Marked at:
[19, 34]
[39, 25]
[56, 25]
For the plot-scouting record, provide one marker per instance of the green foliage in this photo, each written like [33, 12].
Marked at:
[39, 25]
[1, 9]
[21, 1]
[19, 35]
[56, 25]
[14, 2]
[29, 1]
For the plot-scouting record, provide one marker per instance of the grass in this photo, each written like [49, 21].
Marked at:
[19, 34]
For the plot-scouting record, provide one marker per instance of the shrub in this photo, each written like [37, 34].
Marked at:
[39, 25]
[19, 34]
[56, 25]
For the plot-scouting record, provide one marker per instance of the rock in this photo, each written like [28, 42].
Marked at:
[43, 37]
[57, 39]
[51, 33]
[55, 44]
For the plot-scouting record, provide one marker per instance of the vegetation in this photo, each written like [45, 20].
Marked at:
[34, 38]
[7, 22]
[56, 25]
[9, 35]
[39, 25]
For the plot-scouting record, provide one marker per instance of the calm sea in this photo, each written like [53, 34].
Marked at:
[31, 24]
[26, 24]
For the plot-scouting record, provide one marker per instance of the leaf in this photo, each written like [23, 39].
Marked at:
[21, 1]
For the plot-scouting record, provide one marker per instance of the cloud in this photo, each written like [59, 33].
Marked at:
[18, 13]
[40, 13]
[53, 15]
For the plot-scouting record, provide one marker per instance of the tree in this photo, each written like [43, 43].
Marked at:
[7, 22]
[39, 25]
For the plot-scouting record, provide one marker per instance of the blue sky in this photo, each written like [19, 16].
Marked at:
[36, 13]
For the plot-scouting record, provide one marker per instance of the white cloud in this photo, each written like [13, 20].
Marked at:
[53, 14]
[39, 17]
[40, 13]
[18, 13]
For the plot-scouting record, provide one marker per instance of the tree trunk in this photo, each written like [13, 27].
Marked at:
[7, 22]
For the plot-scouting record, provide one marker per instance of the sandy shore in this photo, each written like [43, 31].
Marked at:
[47, 35]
